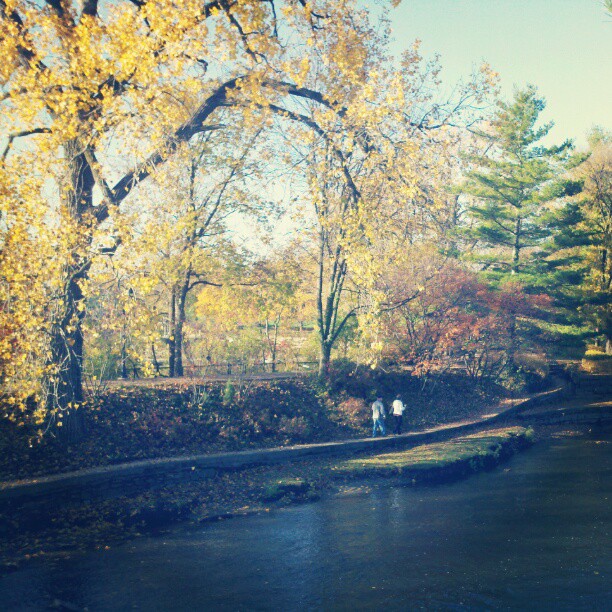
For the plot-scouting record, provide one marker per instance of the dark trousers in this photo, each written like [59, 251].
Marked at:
[398, 423]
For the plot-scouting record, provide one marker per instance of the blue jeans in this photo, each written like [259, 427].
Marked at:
[378, 423]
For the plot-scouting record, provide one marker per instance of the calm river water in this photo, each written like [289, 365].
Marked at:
[532, 535]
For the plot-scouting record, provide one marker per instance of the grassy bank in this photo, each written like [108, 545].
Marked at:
[453, 458]
[43, 531]
[127, 423]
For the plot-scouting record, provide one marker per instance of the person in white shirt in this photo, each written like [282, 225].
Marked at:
[378, 416]
[398, 412]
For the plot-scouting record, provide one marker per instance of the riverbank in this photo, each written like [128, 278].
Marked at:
[171, 418]
[530, 534]
[52, 527]
[35, 531]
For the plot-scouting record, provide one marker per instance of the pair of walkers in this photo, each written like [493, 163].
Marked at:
[378, 416]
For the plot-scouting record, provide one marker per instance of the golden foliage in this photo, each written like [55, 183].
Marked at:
[94, 101]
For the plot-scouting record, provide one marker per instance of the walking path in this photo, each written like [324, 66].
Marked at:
[126, 478]
[121, 478]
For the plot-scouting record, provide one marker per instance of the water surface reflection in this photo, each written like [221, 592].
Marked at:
[532, 534]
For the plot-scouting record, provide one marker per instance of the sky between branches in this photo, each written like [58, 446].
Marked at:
[564, 47]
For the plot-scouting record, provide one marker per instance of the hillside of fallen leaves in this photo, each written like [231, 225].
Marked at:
[133, 423]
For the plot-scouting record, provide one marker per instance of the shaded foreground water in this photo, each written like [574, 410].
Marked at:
[533, 534]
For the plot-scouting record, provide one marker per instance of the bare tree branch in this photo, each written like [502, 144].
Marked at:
[13, 136]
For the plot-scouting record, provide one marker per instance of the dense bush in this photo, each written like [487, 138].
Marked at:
[138, 422]
[353, 411]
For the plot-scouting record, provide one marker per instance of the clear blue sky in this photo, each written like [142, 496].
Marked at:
[564, 47]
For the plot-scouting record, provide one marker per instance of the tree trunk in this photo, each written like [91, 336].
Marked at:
[517, 247]
[172, 339]
[274, 359]
[63, 388]
[178, 329]
[124, 370]
[324, 359]
[272, 341]
[155, 361]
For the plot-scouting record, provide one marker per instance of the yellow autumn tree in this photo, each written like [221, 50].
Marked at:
[95, 96]
[373, 173]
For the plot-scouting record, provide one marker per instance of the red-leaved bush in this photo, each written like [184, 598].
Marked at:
[455, 320]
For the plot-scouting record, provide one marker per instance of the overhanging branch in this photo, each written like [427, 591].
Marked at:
[14, 135]
[196, 124]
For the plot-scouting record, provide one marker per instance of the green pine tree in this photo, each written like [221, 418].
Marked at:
[513, 186]
[579, 255]
[510, 186]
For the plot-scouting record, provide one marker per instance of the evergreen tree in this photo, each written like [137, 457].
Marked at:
[566, 271]
[580, 252]
[513, 186]
[510, 186]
